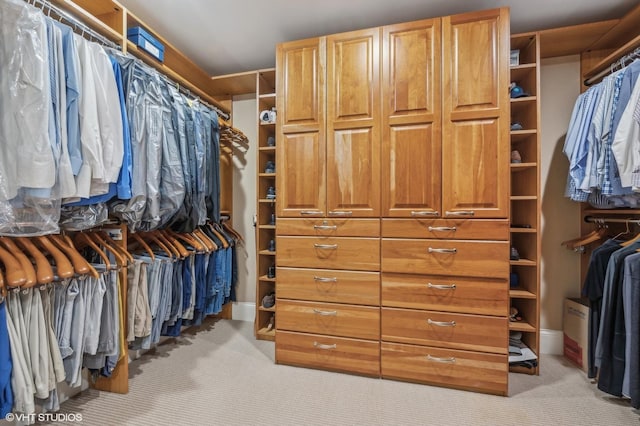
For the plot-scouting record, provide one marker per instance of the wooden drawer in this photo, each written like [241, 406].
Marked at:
[360, 254]
[443, 329]
[329, 353]
[483, 296]
[325, 285]
[361, 322]
[329, 227]
[446, 367]
[461, 229]
[446, 257]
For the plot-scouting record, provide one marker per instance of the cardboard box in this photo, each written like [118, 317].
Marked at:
[576, 331]
[147, 42]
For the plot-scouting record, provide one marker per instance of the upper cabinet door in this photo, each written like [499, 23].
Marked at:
[300, 128]
[411, 129]
[353, 124]
[475, 145]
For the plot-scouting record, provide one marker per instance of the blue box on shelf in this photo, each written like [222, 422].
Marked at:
[147, 42]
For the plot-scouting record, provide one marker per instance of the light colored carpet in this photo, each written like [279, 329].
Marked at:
[221, 375]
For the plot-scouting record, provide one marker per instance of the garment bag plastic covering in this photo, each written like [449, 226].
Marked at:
[29, 203]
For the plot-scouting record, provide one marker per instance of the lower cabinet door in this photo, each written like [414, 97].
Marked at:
[466, 370]
[328, 353]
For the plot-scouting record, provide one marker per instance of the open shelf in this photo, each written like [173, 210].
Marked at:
[267, 148]
[267, 253]
[524, 99]
[264, 200]
[271, 309]
[523, 326]
[521, 294]
[523, 262]
[518, 167]
[266, 334]
[267, 279]
[523, 197]
[266, 226]
[523, 230]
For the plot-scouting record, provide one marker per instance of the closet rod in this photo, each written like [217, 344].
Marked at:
[608, 69]
[188, 92]
[75, 22]
[593, 219]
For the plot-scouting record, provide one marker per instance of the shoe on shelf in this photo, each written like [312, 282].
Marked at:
[271, 193]
[272, 323]
[270, 167]
[516, 126]
[515, 157]
[514, 254]
[269, 300]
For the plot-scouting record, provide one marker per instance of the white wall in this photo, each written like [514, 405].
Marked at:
[560, 269]
[244, 197]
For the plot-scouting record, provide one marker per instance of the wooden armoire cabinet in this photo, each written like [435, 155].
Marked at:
[393, 235]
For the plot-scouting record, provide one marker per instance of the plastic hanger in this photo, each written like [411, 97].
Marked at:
[44, 271]
[80, 264]
[14, 274]
[25, 263]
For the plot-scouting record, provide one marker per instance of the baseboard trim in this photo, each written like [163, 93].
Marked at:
[551, 342]
[243, 311]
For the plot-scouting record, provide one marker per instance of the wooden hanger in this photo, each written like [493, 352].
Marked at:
[80, 264]
[25, 263]
[151, 236]
[223, 240]
[177, 244]
[105, 236]
[591, 237]
[3, 289]
[120, 260]
[167, 243]
[64, 267]
[144, 245]
[211, 246]
[232, 231]
[189, 239]
[44, 271]
[83, 238]
[14, 274]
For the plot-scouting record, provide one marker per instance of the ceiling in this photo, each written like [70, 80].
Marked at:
[241, 35]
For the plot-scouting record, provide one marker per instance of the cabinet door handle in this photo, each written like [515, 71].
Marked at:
[326, 246]
[448, 360]
[325, 280]
[442, 250]
[442, 286]
[323, 346]
[441, 323]
[325, 313]
[341, 213]
[311, 212]
[424, 213]
[325, 227]
[442, 228]
[460, 213]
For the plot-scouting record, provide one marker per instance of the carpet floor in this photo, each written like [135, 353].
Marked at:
[221, 375]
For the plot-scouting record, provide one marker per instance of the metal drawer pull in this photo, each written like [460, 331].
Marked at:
[424, 213]
[311, 212]
[460, 213]
[325, 227]
[449, 360]
[442, 286]
[341, 213]
[445, 250]
[326, 246]
[322, 346]
[325, 313]
[442, 228]
[325, 280]
[442, 323]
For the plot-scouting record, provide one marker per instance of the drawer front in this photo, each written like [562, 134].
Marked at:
[329, 227]
[459, 229]
[326, 285]
[329, 353]
[483, 296]
[446, 257]
[467, 370]
[442, 329]
[361, 322]
[360, 254]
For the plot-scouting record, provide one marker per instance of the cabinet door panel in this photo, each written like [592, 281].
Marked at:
[476, 175]
[411, 142]
[353, 128]
[301, 79]
[353, 177]
[302, 188]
